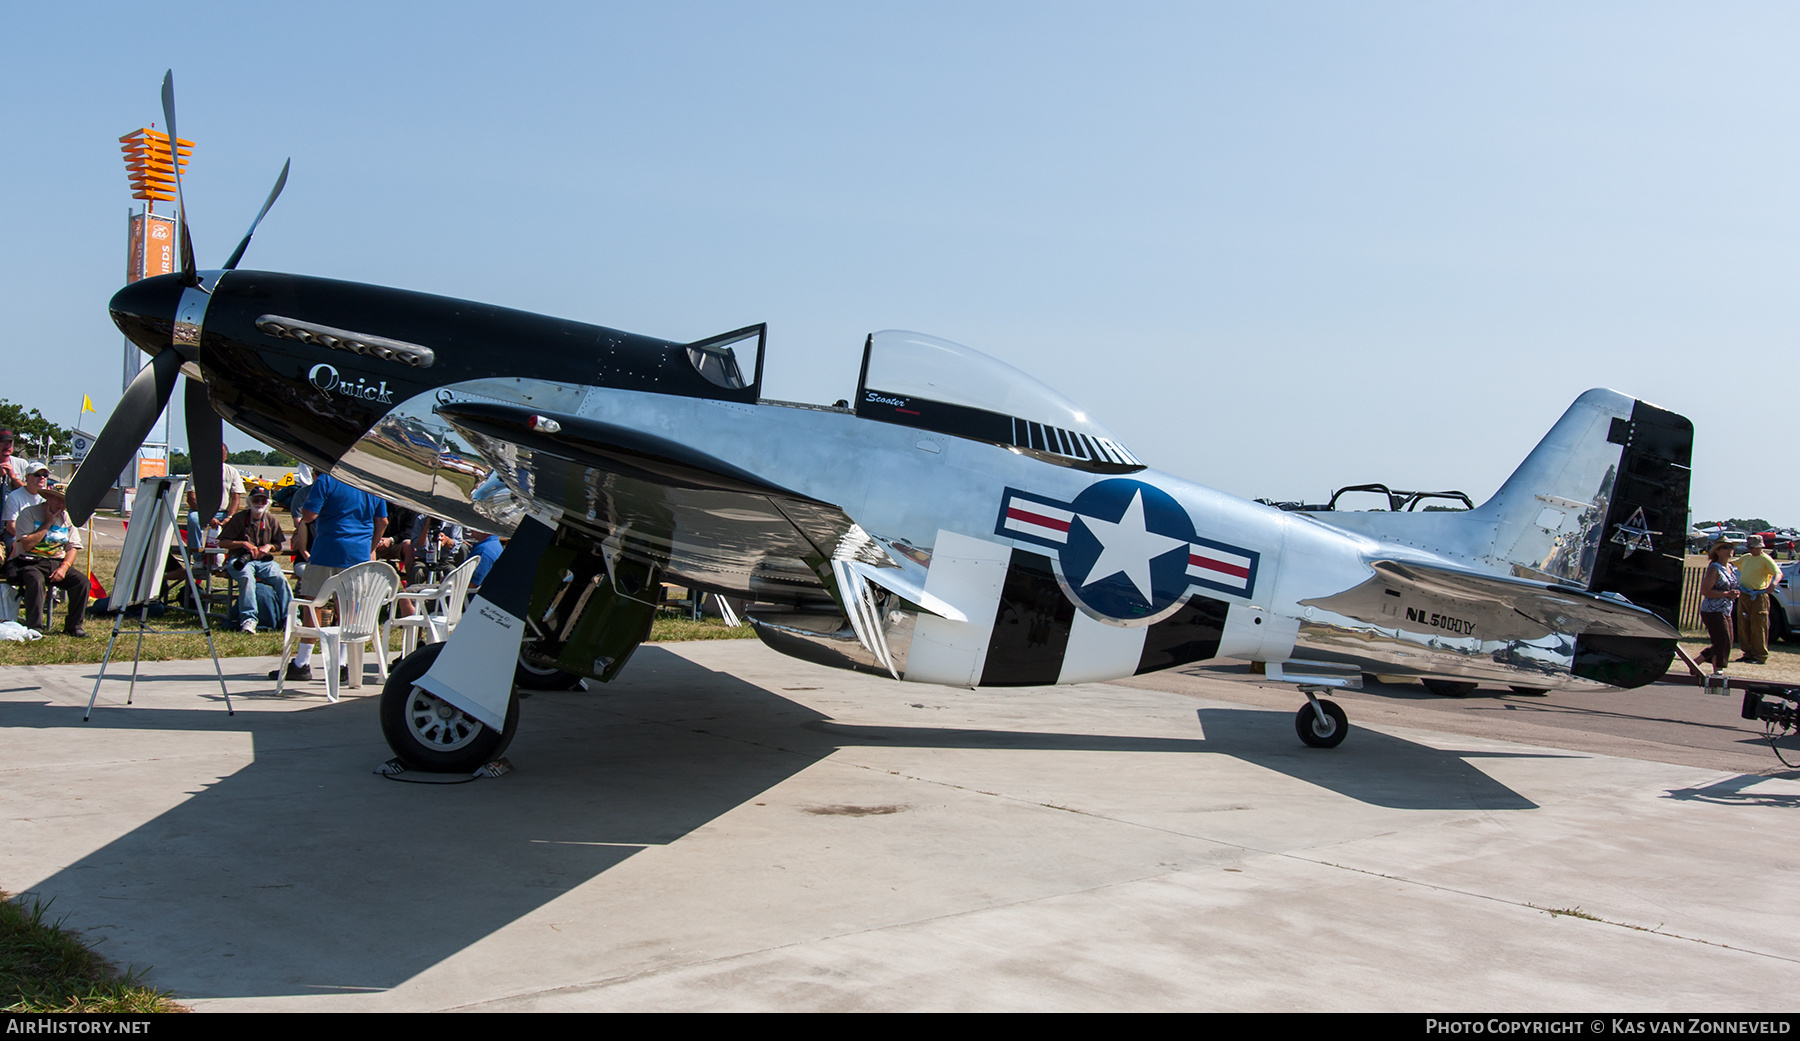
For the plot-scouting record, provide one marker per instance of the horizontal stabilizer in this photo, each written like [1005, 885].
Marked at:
[1560, 608]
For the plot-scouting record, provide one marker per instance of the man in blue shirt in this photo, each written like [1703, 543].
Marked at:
[347, 526]
[488, 548]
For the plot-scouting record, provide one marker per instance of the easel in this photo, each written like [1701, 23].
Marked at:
[140, 572]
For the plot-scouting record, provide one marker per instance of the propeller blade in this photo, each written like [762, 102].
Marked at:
[125, 431]
[205, 440]
[280, 183]
[189, 275]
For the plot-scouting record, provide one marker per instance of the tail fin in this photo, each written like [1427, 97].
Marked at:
[1601, 503]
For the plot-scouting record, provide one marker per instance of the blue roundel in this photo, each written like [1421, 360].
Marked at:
[1127, 554]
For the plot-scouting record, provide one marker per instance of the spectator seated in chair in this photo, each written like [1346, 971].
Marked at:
[250, 540]
[44, 556]
[29, 494]
[269, 613]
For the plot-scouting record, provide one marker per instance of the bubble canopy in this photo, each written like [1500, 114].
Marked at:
[931, 383]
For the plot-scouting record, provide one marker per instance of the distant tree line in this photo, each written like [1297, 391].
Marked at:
[179, 463]
[36, 436]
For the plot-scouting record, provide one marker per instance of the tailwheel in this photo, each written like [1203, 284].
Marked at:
[427, 732]
[1321, 723]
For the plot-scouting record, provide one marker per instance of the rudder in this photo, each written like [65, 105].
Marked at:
[1642, 555]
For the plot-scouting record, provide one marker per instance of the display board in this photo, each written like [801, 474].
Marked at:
[148, 536]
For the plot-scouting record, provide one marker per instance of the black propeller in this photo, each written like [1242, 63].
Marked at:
[144, 401]
[189, 276]
[125, 430]
[206, 441]
[280, 183]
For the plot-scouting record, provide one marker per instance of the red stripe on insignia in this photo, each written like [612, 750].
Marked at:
[1218, 565]
[1014, 513]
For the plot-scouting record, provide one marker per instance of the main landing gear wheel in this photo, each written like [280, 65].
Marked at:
[539, 677]
[1449, 688]
[428, 733]
[1322, 733]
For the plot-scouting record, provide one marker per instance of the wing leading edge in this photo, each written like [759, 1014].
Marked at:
[702, 520]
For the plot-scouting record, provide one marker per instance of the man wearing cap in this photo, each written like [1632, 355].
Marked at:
[250, 539]
[30, 494]
[1757, 575]
[44, 555]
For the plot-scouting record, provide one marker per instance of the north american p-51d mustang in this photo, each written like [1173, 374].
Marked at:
[956, 523]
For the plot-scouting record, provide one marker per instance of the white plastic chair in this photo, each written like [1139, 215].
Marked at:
[360, 591]
[440, 608]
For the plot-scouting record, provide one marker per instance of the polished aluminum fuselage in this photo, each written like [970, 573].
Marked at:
[361, 380]
[909, 490]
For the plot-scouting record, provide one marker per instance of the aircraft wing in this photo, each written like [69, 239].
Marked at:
[706, 521]
[1562, 608]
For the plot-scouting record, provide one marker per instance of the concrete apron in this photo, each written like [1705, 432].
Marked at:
[724, 828]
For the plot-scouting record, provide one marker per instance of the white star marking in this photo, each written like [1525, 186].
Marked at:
[1128, 547]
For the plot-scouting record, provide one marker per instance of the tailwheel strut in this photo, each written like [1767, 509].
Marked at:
[1320, 723]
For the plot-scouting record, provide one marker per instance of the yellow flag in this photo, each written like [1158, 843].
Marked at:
[87, 405]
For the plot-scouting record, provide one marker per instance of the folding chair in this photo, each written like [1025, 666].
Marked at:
[361, 592]
[440, 608]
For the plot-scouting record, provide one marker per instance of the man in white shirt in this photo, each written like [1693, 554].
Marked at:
[230, 500]
[19, 498]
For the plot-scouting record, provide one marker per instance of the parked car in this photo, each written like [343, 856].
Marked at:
[1784, 614]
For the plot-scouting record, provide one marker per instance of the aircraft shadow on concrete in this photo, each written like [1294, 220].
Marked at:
[1369, 767]
[304, 872]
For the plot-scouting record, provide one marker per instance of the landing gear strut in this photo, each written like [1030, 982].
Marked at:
[1320, 723]
[428, 733]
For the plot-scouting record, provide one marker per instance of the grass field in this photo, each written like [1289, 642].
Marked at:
[45, 968]
[58, 649]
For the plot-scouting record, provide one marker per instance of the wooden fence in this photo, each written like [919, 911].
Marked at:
[1690, 596]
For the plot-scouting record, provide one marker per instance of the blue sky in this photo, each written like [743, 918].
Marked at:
[1278, 247]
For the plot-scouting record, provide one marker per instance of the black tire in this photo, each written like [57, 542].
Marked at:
[1449, 688]
[431, 735]
[1530, 691]
[1317, 734]
[1779, 630]
[539, 677]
